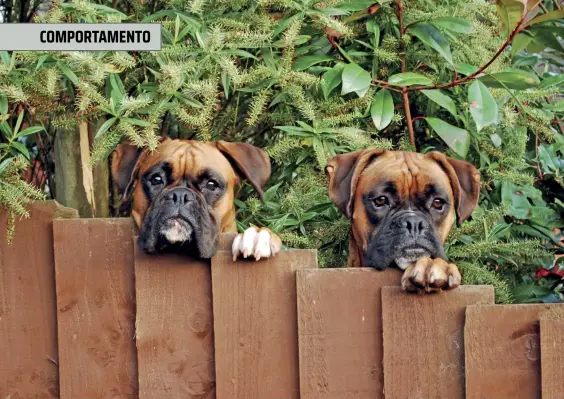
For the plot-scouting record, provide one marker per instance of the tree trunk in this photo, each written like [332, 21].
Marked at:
[77, 185]
[101, 175]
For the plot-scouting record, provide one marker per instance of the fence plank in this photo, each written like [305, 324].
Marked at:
[28, 321]
[424, 343]
[502, 351]
[255, 321]
[552, 342]
[96, 308]
[340, 332]
[174, 327]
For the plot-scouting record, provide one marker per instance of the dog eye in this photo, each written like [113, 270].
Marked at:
[212, 185]
[381, 201]
[438, 204]
[156, 180]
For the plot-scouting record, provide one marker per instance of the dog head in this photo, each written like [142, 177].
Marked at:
[402, 204]
[183, 192]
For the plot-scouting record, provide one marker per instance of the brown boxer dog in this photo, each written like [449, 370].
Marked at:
[183, 195]
[402, 206]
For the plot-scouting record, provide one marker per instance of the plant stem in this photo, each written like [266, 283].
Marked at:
[404, 95]
[466, 79]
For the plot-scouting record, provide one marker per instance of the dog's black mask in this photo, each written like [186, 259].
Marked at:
[403, 238]
[179, 220]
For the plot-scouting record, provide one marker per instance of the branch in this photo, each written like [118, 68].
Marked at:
[386, 85]
[457, 82]
[404, 94]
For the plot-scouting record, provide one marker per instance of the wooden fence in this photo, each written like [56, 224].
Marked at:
[84, 315]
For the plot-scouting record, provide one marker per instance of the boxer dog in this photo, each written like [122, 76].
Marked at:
[402, 206]
[183, 195]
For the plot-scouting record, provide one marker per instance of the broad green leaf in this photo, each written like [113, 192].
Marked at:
[555, 80]
[136, 122]
[355, 79]
[546, 38]
[382, 109]
[459, 25]
[104, 128]
[294, 130]
[3, 104]
[519, 43]
[457, 139]
[466, 69]
[19, 123]
[409, 79]
[330, 80]
[5, 57]
[21, 148]
[68, 73]
[431, 36]
[483, 107]
[557, 106]
[4, 164]
[225, 82]
[40, 61]
[107, 10]
[30, 130]
[442, 99]
[283, 24]
[510, 12]
[306, 61]
[117, 92]
[356, 5]
[6, 130]
[516, 79]
[496, 140]
[549, 16]
[240, 53]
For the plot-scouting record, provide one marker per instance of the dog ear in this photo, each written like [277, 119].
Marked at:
[465, 182]
[343, 171]
[248, 161]
[124, 161]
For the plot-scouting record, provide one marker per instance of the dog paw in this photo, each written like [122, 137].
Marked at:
[429, 275]
[256, 243]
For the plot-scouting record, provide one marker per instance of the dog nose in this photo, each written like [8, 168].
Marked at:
[179, 196]
[414, 224]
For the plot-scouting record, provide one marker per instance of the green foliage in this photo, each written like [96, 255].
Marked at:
[307, 80]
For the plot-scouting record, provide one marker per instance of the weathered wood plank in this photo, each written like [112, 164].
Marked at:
[174, 327]
[255, 322]
[552, 344]
[424, 341]
[96, 308]
[28, 320]
[502, 346]
[340, 332]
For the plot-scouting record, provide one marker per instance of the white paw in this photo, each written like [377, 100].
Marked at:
[256, 243]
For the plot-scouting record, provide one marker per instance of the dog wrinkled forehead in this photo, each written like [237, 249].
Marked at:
[188, 158]
[411, 174]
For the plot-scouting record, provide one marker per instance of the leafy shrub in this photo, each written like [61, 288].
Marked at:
[310, 79]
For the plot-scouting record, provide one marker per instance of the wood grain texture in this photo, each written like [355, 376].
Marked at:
[340, 332]
[502, 347]
[96, 308]
[424, 341]
[174, 327]
[28, 321]
[255, 322]
[552, 346]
